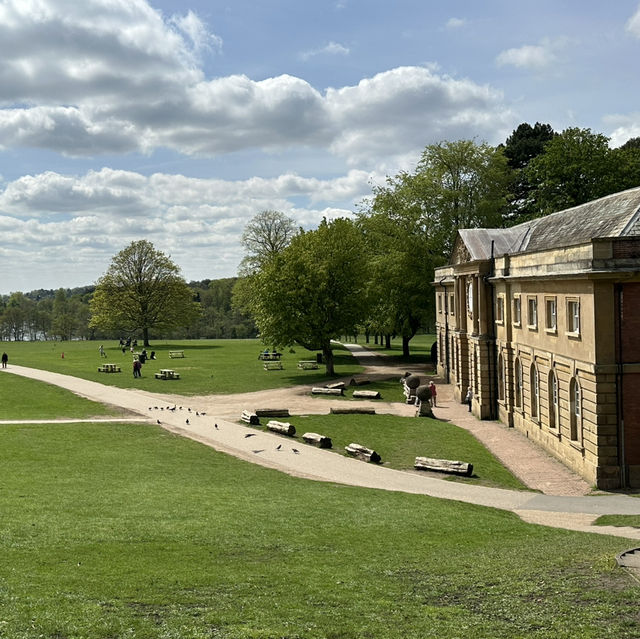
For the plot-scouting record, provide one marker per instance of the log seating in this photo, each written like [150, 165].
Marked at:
[364, 453]
[273, 366]
[174, 354]
[365, 394]
[272, 412]
[167, 373]
[284, 428]
[323, 390]
[109, 368]
[307, 364]
[352, 411]
[444, 466]
[317, 440]
[250, 418]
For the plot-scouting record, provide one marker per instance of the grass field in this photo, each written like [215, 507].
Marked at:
[209, 366]
[114, 531]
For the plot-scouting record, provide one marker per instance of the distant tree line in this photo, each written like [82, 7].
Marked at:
[64, 314]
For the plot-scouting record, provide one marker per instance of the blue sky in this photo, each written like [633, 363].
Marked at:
[177, 122]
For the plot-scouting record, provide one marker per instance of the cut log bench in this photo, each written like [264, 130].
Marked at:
[336, 385]
[273, 366]
[167, 373]
[250, 418]
[364, 453]
[109, 368]
[365, 394]
[272, 412]
[175, 354]
[444, 466]
[317, 440]
[307, 365]
[284, 428]
[359, 381]
[322, 390]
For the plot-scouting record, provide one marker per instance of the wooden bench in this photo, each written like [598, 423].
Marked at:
[174, 354]
[167, 373]
[273, 366]
[109, 368]
[307, 365]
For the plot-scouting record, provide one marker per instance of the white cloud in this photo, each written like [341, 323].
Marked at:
[633, 24]
[333, 48]
[534, 57]
[455, 23]
[623, 128]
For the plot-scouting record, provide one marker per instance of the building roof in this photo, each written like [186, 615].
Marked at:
[616, 215]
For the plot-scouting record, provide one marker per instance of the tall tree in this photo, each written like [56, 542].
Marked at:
[312, 291]
[265, 235]
[142, 290]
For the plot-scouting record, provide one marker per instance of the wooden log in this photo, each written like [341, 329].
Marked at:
[317, 440]
[359, 381]
[272, 412]
[319, 390]
[353, 411]
[444, 466]
[364, 394]
[336, 385]
[250, 418]
[364, 453]
[284, 428]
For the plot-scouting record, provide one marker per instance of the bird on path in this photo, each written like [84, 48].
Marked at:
[158, 421]
[189, 410]
[296, 451]
[216, 426]
[279, 446]
[187, 421]
[255, 452]
[197, 414]
[249, 435]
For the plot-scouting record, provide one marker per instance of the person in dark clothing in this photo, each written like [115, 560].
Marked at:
[5, 359]
[137, 368]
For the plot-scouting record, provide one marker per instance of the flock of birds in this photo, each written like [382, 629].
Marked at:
[174, 408]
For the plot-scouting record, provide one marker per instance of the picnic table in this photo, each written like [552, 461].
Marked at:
[167, 373]
[308, 364]
[273, 366]
[266, 356]
[109, 368]
[174, 354]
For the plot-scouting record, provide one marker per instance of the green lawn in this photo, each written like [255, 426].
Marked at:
[398, 440]
[419, 348]
[114, 531]
[209, 366]
[618, 520]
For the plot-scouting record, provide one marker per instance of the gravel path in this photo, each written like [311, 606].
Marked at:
[571, 511]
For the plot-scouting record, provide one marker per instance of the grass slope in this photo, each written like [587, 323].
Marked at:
[209, 366]
[128, 531]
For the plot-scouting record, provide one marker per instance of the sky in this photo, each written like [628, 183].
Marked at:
[177, 122]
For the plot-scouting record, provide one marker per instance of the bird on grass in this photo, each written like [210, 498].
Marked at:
[249, 435]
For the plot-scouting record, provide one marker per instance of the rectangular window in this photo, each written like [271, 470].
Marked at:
[532, 306]
[551, 315]
[451, 304]
[500, 310]
[439, 302]
[517, 311]
[573, 316]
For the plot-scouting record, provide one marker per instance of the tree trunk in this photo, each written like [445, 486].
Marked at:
[145, 335]
[405, 346]
[327, 355]
[387, 340]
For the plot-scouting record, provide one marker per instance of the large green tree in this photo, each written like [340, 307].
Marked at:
[142, 290]
[312, 291]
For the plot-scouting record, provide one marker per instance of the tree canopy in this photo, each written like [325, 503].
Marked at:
[142, 290]
[312, 291]
[265, 235]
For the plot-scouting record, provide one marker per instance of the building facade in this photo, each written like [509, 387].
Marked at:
[542, 322]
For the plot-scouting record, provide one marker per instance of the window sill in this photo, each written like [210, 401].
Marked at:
[532, 327]
[555, 432]
[551, 331]
[576, 336]
[517, 324]
[577, 446]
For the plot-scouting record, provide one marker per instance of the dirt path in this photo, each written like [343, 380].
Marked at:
[199, 416]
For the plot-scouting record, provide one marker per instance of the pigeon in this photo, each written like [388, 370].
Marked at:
[203, 413]
[249, 435]
[255, 452]
[189, 410]
[197, 414]
[187, 421]
[158, 421]
[150, 407]
[216, 426]
[296, 451]
[279, 446]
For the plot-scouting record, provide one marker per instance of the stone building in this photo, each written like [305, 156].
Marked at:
[542, 321]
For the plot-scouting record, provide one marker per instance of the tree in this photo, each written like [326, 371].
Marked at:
[577, 166]
[142, 289]
[265, 235]
[311, 291]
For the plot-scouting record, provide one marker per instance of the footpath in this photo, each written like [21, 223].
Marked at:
[213, 421]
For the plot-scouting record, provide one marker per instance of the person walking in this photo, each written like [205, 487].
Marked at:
[434, 393]
[469, 398]
[5, 359]
[101, 349]
[137, 368]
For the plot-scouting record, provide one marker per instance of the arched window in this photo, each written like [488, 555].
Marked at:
[500, 377]
[518, 382]
[575, 400]
[554, 415]
[535, 392]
